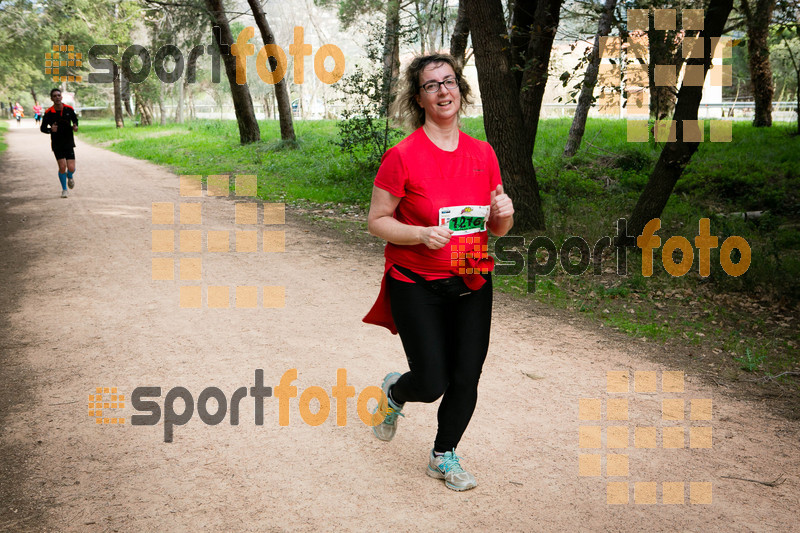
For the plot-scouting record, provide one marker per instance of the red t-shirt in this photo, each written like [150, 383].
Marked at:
[427, 179]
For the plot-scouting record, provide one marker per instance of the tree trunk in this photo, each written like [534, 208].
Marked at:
[521, 24]
[118, 117]
[503, 112]
[534, 78]
[125, 92]
[797, 96]
[589, 81]
[420, 33]
[33, 93]
[458, 42]
[242, 102]
[662, 51]
[162, 112]
[144, 113]
[676, 155]
[796, 65]
[179, 108]
[758, 21]
[280, 88]
[391, 54]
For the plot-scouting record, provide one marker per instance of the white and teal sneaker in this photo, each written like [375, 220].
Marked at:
[390, 410]
[448, 468]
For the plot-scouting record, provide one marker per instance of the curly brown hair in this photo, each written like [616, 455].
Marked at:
[406, 107]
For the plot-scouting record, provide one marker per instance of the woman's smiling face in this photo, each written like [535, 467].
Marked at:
[442, 105]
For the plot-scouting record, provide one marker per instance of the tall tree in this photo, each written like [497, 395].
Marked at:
[458, 42]
[119, 119]
[429, 20]
[124, 93]
[187, 31]
[663, 48]
[795, 61]
[280, 88]
[788, 33]
[115, 20]
[512, 81]
[24, 40]
[84, 23]
[242, 101]
[431, 23]
[391, 53]
[654, 46]
[677, 154]
[163, 32]
[585, 99]
[758, 18]
[349, 13]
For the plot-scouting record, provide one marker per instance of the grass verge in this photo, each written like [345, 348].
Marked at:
[3, 130]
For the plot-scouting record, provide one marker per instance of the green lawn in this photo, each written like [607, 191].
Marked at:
[313, 172]
[3, 130]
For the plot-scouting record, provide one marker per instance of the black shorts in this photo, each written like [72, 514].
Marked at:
[64, 153]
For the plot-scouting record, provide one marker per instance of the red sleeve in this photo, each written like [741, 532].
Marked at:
[392, 175]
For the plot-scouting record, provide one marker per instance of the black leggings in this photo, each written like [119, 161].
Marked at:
[445, 340]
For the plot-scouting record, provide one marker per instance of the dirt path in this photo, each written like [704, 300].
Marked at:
[80, 310]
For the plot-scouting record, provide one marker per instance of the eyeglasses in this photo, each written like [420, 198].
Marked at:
[433, 86]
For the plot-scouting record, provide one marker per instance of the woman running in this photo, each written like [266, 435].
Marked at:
[434, 196]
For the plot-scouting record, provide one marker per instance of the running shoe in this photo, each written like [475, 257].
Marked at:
[448, 468]
[70, 183]
[390, 410]
[64, 193]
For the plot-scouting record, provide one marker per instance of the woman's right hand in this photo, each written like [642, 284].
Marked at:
[54, 127]
[435, 237]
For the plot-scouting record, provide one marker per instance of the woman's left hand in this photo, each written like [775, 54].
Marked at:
[502, 207]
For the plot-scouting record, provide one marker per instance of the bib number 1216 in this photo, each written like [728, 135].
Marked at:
[464, 219]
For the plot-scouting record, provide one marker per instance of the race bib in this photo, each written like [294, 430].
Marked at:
[464, 219]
